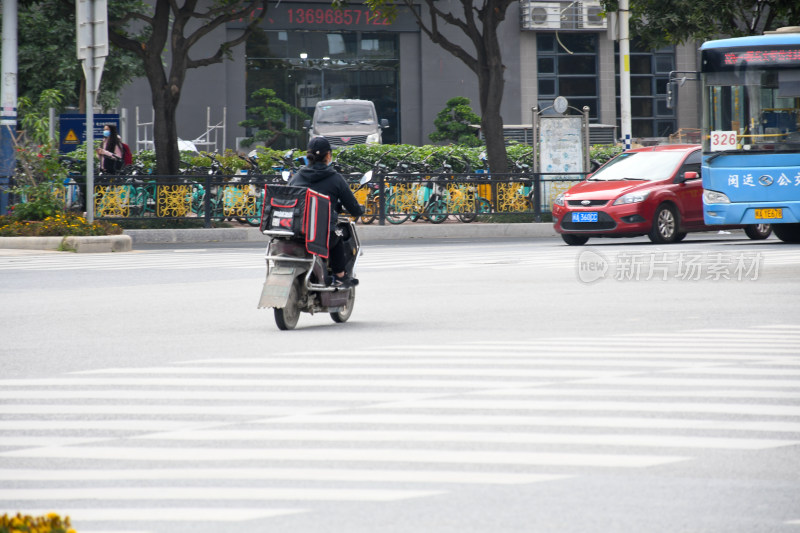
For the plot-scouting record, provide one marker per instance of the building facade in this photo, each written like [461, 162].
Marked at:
[307, 51]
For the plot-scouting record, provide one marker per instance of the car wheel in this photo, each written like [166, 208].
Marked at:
[574, 240]
[758, 232]
[787, 232]
[680, 236]
[665, 225]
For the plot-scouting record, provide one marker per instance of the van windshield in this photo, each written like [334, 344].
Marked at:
[343, 114]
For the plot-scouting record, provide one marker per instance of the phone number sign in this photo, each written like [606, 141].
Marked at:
[304, 16]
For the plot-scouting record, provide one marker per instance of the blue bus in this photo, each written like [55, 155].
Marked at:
[751, 131]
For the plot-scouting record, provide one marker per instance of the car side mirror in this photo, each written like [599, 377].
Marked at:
[384, 123]
[306, 124]
[687, 176]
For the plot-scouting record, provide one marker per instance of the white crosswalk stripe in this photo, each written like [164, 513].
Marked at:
[283, 434]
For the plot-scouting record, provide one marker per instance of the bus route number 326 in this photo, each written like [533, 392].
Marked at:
[723, 140]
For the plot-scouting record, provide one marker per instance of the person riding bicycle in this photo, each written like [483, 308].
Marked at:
[319, 175]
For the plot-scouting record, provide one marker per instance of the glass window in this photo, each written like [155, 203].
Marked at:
[545, 42]
[336, 65]
[547, 87]
[569, 70]
[649, 90]
[546, 65]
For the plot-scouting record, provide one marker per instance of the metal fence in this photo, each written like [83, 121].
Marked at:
[390, 198]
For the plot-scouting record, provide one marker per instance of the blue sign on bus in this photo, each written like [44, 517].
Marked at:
[72, 129]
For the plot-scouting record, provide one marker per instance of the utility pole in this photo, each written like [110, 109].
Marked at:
[625, 71]
[8, 101]
[91, 17]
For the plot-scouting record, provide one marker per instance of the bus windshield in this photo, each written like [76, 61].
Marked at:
[761, 105]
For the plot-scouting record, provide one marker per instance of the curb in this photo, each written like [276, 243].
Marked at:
[367, 233]
[99, 244]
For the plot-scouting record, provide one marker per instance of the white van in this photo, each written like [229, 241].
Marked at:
[346, 122]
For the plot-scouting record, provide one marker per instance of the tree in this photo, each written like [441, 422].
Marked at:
[454, 123]
[180, 25]
[268, 118]
[47, 56]
[478, 20]
[659, 22]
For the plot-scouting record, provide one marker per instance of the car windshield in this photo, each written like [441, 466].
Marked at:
[649, 166]
[345, 114]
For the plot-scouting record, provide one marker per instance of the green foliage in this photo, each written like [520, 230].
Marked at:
[269, 119]
[34, 116]
[37, 164]
[603, 152]
[37, 202]
[454, 123]
[658, 23]
[47, 54]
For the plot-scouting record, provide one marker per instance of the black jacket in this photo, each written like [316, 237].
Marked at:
[325, 180]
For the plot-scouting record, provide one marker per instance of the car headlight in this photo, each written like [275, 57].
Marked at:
[631, 198]
[714, 197]
[559, 200]
[375, 138]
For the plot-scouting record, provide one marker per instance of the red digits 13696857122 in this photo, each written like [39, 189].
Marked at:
[328, 16]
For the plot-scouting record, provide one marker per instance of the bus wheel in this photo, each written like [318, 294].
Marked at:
[758, 232]
[787, 232]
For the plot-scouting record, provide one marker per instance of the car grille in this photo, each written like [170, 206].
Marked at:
[604, 222]
[578, 203]
[347, 141]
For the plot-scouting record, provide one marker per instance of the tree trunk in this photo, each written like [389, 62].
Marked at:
[491, 86]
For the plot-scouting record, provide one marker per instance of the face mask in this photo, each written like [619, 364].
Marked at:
[106, 133]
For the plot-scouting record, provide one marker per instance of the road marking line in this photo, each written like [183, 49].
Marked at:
[658, 441]
[159, 514]
[221, 493]
[356, 455]
[567, 405]
[495, 420]
[292, 474]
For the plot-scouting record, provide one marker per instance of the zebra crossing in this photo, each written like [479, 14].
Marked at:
[229, 440]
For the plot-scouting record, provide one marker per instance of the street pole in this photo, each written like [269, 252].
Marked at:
[8, 101]
[91, 17]
[625, 72]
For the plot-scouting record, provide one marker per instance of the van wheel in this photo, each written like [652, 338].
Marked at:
[758, 232]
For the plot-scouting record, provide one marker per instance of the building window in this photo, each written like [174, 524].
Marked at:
[304, 67]
[567, 66]
[649, 75]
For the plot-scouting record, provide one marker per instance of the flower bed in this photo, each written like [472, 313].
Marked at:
[52, 523]
[60, 225]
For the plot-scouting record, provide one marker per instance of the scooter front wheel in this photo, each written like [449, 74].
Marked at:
[345, 312]
[286, 317]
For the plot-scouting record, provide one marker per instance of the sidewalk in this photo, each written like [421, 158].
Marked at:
[367, 233]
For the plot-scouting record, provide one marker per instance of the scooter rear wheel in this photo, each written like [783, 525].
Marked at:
[286, 317]
[342, 316]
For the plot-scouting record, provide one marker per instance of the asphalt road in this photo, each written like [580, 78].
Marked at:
[480, 385]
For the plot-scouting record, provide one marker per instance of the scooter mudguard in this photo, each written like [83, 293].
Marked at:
[275, 292]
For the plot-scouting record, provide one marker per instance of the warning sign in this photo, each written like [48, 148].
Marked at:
[72, 129]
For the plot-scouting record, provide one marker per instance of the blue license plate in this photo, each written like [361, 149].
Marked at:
[584, 216]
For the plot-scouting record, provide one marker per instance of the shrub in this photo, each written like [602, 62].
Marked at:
[52, 523]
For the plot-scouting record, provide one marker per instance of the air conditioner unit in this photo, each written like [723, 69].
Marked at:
[541, 15]
[592, 16]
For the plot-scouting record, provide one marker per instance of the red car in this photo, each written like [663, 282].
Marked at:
[654, 191]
